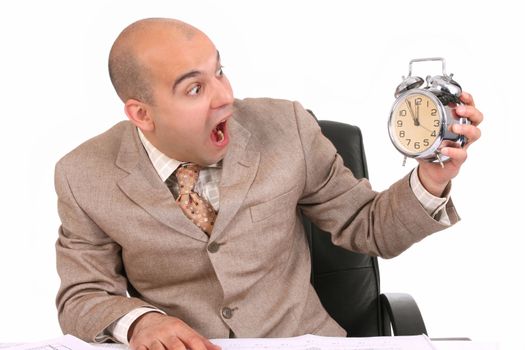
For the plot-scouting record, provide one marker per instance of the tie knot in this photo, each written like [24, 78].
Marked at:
[187, 175]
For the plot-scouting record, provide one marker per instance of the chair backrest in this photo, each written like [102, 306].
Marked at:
[347, 283]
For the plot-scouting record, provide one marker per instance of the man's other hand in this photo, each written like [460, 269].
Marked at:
[155, 331]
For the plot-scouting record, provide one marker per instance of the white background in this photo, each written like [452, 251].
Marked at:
[343, 60]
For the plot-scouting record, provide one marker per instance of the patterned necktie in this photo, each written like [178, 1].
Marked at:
[196, 208]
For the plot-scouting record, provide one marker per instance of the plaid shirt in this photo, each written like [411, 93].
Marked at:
[207, 185]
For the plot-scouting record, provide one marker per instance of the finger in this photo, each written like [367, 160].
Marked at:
[191, 339]
[210, 345]
[457, 156]
[471, 132]
[470, 112]
[174, 343]
[195, 342]
[138, 345]
[467, 99]
[156, 345]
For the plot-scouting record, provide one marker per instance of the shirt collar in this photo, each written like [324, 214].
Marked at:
[164, 165]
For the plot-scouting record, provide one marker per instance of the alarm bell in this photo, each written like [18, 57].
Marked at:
[443, 84]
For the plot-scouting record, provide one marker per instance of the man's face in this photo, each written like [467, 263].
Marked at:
[192, 99]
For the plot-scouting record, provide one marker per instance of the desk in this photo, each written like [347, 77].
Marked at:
[463, 345]
[438, 345]
[68, 342]
[441, 345]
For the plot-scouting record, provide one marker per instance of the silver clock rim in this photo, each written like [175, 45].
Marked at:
[430, 152]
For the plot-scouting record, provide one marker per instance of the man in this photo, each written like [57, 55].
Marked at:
[226, 256]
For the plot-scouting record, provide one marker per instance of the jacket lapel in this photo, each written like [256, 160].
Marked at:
[238, 172]
[144, 187]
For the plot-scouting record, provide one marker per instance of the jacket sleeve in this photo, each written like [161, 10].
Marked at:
[92, 293]
[358, 218]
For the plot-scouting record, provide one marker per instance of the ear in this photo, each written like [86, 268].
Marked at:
[139, 114]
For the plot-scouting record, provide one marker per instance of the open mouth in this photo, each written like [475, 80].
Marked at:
[219, 132]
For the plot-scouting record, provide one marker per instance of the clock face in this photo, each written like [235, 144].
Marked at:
[415, 123]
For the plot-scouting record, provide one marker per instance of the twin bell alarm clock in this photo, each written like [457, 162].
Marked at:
[422, 116]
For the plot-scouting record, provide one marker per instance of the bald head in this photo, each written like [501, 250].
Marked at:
[128, 70]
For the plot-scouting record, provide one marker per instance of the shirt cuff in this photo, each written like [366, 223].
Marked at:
[118, 330]
[435, 206]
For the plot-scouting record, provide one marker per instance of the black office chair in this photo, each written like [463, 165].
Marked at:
[348, 283]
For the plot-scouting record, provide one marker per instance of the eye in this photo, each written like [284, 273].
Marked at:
[195, 90]
[220, 71]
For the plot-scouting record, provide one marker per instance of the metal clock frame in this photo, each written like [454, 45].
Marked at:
[442, 90]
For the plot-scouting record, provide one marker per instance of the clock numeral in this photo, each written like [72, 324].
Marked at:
[418, 101]
[401, 133]
[399, 123]
[403, 112]
[408, 142]
[433, 133]
[436, 122]
[426, 142]
[433, 112]
[417, 145]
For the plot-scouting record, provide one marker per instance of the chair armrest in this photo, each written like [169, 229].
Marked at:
[400, 310]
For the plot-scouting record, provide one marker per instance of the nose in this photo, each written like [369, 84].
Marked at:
[222, 93]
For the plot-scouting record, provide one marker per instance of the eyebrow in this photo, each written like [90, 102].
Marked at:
[191, 74]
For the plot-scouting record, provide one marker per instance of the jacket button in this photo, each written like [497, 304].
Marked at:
[213, 247]
[227, 312]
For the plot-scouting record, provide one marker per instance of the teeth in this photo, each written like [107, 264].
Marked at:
[220, 135]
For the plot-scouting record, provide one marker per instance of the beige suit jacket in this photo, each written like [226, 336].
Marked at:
[122, 231]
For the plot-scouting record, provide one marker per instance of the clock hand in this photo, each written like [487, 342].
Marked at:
[417, 114]
[424, 127]
[416, 121]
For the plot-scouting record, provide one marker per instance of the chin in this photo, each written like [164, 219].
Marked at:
[213, 159]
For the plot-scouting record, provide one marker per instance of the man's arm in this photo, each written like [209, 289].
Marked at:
[89, 264]
[383, 224]
[434, 206]
[92, 294]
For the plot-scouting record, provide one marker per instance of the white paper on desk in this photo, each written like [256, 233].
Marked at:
[314, 342]
[66, 342]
